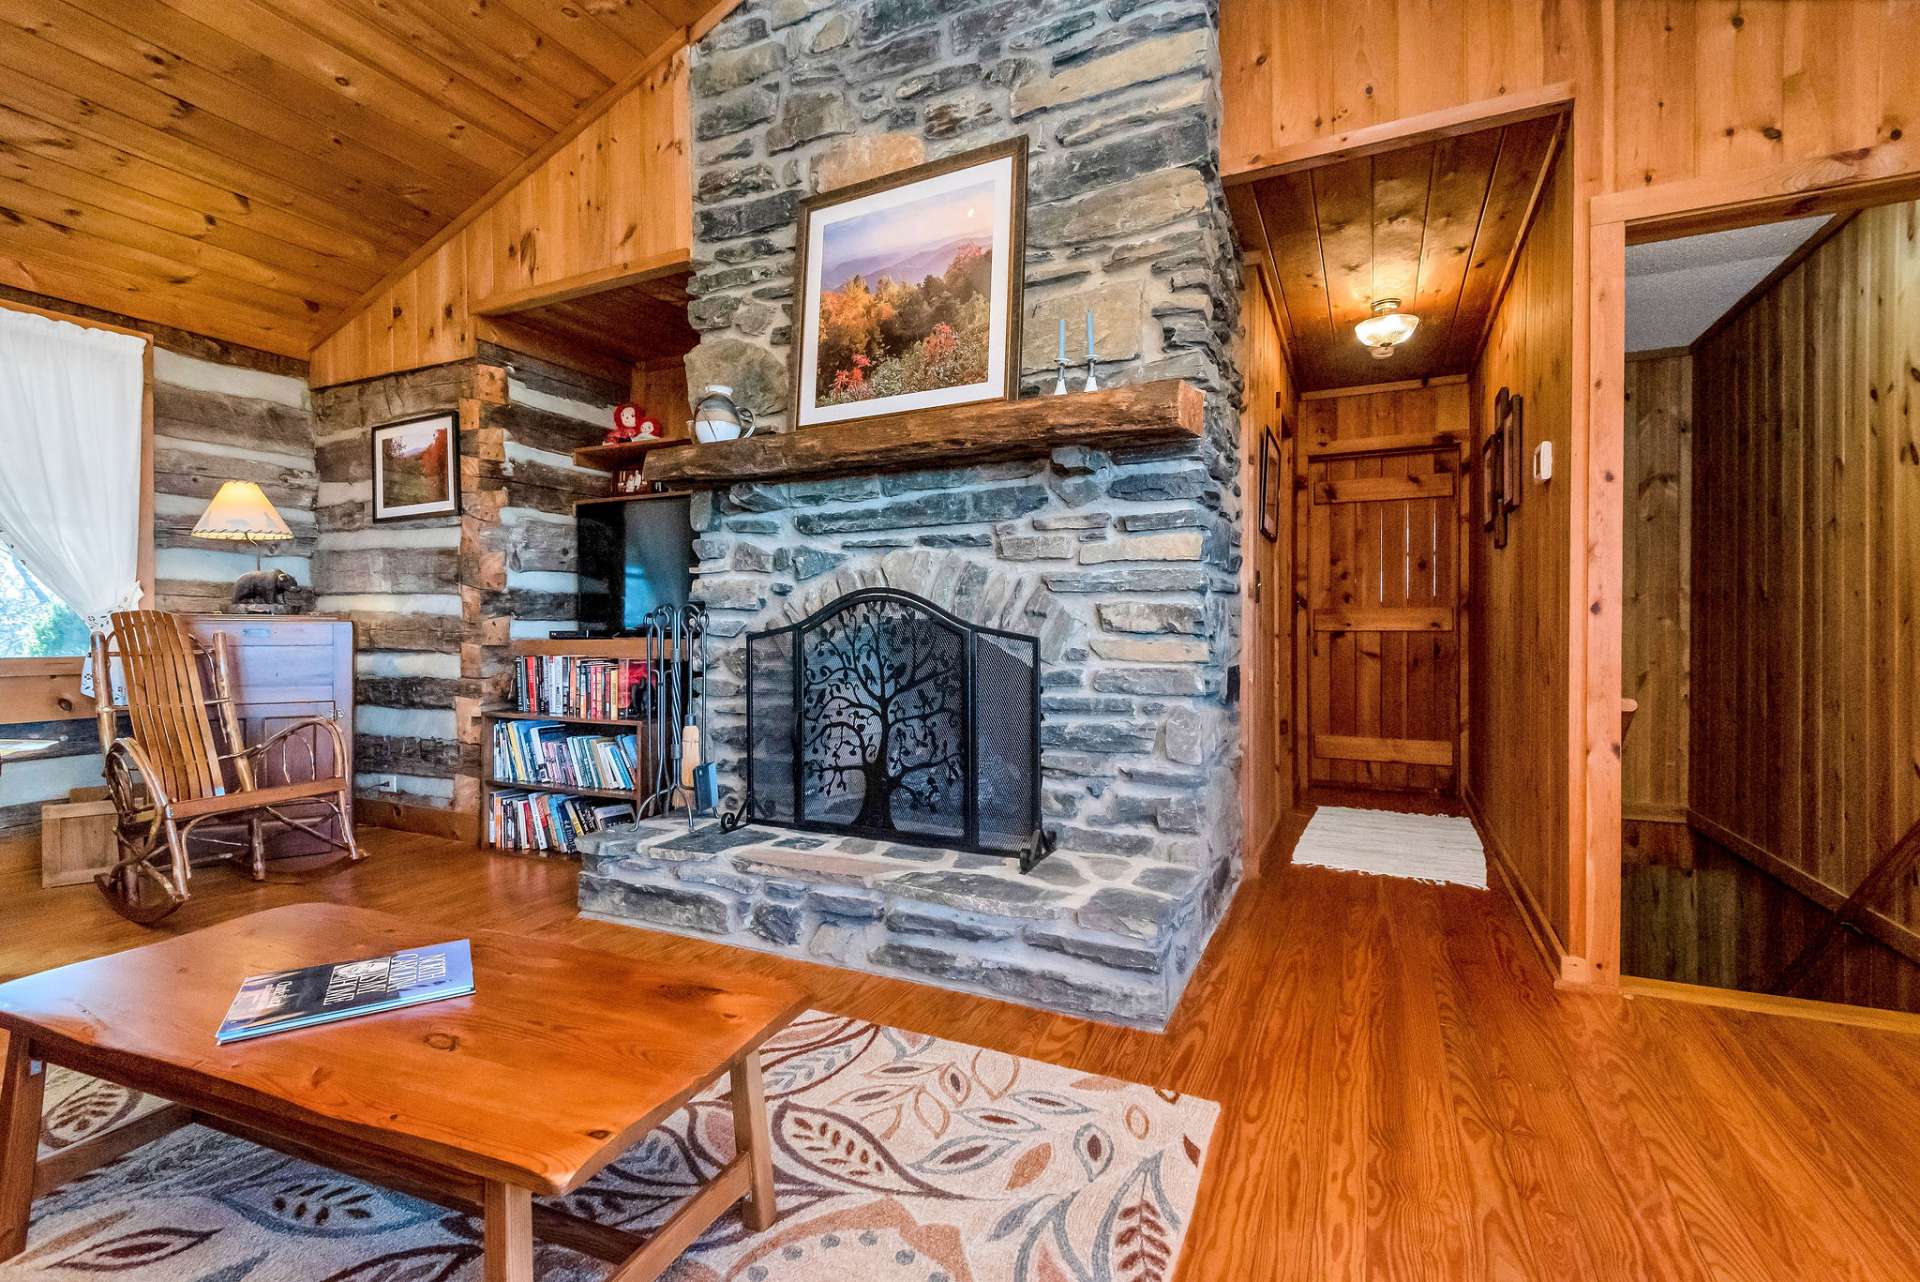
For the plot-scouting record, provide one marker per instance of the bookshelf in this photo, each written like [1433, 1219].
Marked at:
[493, 782]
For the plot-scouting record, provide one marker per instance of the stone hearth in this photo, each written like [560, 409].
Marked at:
[1111, 938]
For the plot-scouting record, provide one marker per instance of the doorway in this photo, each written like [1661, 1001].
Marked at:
[1384, 447]
[1770, 775]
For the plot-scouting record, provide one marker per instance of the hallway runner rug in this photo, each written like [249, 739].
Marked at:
[1434, 848]
[899, 1157]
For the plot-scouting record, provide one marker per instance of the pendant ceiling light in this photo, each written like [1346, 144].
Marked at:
[1386, 329]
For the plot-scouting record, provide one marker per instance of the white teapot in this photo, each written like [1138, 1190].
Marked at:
[717, 418]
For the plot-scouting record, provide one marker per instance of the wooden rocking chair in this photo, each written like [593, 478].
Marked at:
[178, 770]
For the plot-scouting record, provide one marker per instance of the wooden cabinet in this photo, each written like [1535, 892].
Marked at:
[286, 668]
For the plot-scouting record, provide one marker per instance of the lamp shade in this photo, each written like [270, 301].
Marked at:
[241, 513]
[1387, 328]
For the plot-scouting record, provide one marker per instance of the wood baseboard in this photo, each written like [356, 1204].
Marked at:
[1539, 926]
[1892, 1021]
[428, 821]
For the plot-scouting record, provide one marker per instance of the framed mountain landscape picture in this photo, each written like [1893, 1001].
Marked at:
[911, 289]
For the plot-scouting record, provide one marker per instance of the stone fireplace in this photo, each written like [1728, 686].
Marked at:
[1122, 566]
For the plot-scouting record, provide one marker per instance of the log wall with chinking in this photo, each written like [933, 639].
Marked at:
[437, 600]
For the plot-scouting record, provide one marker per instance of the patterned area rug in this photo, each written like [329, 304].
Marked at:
[899, 1158]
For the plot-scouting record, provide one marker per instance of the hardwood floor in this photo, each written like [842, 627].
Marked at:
[1405, 1096]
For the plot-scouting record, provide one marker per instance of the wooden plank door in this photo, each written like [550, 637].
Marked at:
[1382, 574]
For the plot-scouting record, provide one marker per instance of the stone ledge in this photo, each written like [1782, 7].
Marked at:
[1089, 935]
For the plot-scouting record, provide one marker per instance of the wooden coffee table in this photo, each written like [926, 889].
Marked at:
[561, 1060]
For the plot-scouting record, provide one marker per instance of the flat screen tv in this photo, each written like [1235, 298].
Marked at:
[634, 554]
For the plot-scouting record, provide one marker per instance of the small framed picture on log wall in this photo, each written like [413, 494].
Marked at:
[416, 468]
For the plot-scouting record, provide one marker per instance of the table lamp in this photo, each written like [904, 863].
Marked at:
[241, 513]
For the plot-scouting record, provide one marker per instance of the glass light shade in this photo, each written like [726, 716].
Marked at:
[1387, 328]
[241, 513]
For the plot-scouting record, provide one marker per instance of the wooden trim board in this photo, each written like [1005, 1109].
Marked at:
[1389, 618]
[598, 281]
[1390, 443]
[1406, 752]
[1886, 1021]
[1446, 122]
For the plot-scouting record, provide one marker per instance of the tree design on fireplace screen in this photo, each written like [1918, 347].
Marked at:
[885, 716]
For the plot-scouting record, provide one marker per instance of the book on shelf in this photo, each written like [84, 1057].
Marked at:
[548, 820]
[551, 753]
[565, 685]
[282, 1000]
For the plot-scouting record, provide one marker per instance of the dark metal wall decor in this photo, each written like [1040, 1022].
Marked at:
[1496, 462]
[883, 715]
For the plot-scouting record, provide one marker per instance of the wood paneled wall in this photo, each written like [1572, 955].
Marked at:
[1266, 618]
[1398, 688]
[1689, 88]
[1655, 650]
[1806, 559]
[1519, 657]
[1694, 912]
[619, 194]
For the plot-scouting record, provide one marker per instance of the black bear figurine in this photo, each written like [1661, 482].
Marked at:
[259, 592]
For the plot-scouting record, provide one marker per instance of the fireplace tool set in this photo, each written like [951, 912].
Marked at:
[675, 709]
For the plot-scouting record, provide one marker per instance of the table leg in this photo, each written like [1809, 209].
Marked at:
[508, 1227]
[23, 1082]
[752, 1137]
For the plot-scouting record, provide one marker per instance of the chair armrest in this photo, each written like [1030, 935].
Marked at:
[258, 753]
[134, 769]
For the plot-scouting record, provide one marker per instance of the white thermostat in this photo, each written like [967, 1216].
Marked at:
[1543, 461]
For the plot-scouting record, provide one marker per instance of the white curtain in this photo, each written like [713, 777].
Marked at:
[70, 415]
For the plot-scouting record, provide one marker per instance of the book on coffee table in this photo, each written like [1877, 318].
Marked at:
[282, 1000]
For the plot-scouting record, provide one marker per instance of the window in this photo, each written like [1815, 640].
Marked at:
[34, 623]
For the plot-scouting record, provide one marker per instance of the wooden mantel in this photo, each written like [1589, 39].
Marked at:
[1114, 417]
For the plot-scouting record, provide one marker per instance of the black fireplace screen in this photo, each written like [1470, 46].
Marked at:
[883, 715]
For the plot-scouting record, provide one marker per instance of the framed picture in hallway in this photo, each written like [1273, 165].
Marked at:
[1269, 486]
[910, 289]
[416, 468]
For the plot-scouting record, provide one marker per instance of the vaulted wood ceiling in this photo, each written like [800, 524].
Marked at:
[249, 168]
[1434, 225]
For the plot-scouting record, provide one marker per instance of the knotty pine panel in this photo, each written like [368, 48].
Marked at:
[1700, 87]
[1806, 559]
[1655, 647]
[1266, 616]
[620, 193]
[1518, 653]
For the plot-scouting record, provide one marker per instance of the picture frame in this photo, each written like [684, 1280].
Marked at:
[1269, 486]
[416, 467]
[1492, 480]
[1514, 449]
[868, 345]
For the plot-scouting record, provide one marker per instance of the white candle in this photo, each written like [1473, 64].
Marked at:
[1063, 340]
[1089, 337]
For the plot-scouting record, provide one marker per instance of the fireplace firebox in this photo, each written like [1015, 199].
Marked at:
[882, 715]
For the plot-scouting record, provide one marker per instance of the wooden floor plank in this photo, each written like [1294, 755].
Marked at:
[1404, 1094]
